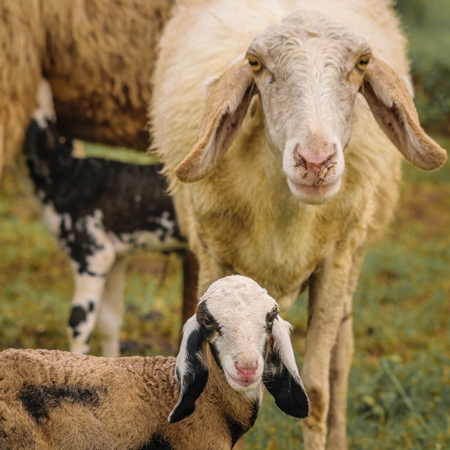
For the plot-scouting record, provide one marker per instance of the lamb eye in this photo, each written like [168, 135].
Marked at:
[255, 63]
[208, 325]
[270, 317]
[363, 62]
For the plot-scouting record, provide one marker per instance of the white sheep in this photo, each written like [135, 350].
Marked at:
[98, 56]
[100, 211]
[281, 130]
[234, 344]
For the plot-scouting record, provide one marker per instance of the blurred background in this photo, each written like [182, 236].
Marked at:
[399, 395]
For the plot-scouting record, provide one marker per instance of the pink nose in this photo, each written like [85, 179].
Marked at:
[246, 370]
[314, 161]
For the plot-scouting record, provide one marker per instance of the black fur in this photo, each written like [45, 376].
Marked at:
[237, 429]
[39, 400]
[77, 316]
[289, 396]
[79, 187]
[194, 380]
[157, 442]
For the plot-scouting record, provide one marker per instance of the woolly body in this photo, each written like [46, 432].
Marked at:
[53, 399]
[98, 56]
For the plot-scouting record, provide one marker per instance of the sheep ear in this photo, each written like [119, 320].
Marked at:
[392, 105]
[226, 105]
[191, 370]
[281, 376]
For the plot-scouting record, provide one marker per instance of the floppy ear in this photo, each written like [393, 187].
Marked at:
[226, 105]
[281, 376]
[392, 105]
[191, 370]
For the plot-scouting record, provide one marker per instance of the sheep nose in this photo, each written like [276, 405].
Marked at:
[314, 161]
[246, 370]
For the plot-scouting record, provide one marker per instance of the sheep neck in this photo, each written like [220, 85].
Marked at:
[237, 408]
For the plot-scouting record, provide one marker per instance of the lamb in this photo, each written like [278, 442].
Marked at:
[100, 211]
[235, 343]
[98, 57]
[279, 127]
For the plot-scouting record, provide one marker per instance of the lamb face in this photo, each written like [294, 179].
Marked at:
[308, 71]
[249, 343]
[237, 323]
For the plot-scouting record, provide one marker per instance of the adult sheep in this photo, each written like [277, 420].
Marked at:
[282, 130]
[98, 56]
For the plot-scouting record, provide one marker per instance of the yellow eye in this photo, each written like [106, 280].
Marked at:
[255, 63]
[363, 62]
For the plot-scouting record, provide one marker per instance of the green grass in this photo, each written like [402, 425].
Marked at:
[399, 396]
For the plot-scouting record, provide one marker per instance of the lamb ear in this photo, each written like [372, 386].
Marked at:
[281, 376]
[226, 105]
[392, 105]
[191, 370]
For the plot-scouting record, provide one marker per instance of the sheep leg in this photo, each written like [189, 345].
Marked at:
[341, 360]
[111, 309]
[92, 256]
[328, 289]
[85, 306]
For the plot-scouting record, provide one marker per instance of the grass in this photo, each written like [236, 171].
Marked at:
[399, 396]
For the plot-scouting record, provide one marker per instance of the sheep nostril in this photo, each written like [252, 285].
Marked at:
[299, 161]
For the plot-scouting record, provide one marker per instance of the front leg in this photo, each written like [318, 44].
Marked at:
[110, 315]
[92, 256]
[327, 298]
[341, 361]
[85, 305]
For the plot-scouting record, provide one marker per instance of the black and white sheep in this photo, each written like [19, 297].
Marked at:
[282, 126]
[99, 211]
[235, 344]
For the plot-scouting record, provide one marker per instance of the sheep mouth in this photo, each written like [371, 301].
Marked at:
[315, 193]
[243, 382]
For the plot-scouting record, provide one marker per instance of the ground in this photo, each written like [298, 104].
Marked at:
[399, 392]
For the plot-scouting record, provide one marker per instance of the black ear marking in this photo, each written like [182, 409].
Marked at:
[281, 376]
[290, 396]
[191, 370]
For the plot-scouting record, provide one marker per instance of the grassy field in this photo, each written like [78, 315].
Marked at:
[400, 382]
[399, 395]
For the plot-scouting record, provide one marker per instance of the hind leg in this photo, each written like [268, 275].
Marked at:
[111, 309]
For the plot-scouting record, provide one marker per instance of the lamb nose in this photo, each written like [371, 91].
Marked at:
[246, 370]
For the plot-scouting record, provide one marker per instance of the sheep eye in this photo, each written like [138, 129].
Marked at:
[270, 317]
[208, 325]
[363, 62]
[255, 63]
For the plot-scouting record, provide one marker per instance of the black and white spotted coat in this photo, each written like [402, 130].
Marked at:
[99, 211]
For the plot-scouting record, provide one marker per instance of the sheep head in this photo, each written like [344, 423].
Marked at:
[249, 343]
[307, 72]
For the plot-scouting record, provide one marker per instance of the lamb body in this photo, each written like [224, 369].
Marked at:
[59, 400]
[262, 184]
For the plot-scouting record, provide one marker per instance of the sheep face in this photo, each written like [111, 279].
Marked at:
[308, 71]
[248, 341]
